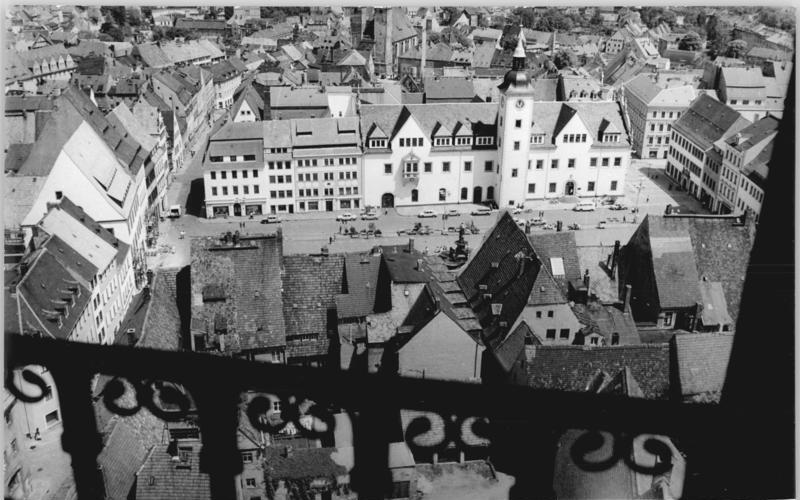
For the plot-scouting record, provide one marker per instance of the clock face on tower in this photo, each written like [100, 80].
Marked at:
[520, 103]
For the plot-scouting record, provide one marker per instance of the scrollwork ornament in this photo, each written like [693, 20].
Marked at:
[293, 410]
[28, 375]
[622, 449]
[148, 394]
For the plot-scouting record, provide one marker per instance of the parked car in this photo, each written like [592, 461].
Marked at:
[347, 216]
[584, 206]
[453, 213]
[482, 211]
[519, 222]
[369, 216]
[601, 224]
[426, 214]
[517, 211]
[538, 222]
[618, 206]
[574, 226]
[271, 219]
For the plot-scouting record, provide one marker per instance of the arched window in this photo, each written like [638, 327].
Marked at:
[615, 338]
[490, 193]
[414, 195]
[464, 193]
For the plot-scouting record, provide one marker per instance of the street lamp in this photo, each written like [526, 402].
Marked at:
[639, 188]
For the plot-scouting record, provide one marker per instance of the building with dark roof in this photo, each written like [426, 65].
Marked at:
[653, 110]
[173, 471]
[206, 28]
[25, 117]
[452, 89]
[700, 364]
[693, 161]
[237, 306]
[686, 272]
[190, 93]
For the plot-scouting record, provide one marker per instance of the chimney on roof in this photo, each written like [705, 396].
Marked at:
[614, 258]
[626, 297]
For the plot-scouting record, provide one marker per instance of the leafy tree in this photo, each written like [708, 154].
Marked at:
[526, 16]
[691, 42]
[134, 17]
[147, 12]
[596, 20]
[736, 48]
[114, 13]
[718, 36]
[228, 12]
[553, 19]
[113, 31]
[564, 59]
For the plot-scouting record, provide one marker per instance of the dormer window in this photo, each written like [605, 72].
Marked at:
[484, 141]
[537, 139]
[443, 141]
[611, 137]
[377, 143]
[463, 141]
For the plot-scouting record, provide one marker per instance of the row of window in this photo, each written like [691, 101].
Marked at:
[412, 167]
[688, 146]
[235, 189]
[571, 163]
[745, 102]
[464, 193]
[754, 191]
[279, 179]
[223, 174]
[279, 165]
[685, 161]
[659, 140]
[278, 150]
[664, 114]
[438, 141]
[552, 187]
[232, 158]
[711, 183]
[733, 158]
[328, 162]
[314, 192]
[660, 127]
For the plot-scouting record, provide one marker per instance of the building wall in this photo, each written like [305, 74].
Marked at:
[15, 445]
[648, 126]
[538, 318]
[514, 144]
[442, 350]
[43, 415]
[246, 114]
[224, 92]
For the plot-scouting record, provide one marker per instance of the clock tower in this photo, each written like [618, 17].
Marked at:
[514, 130]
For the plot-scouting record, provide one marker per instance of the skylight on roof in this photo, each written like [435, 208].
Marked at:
[557, 265]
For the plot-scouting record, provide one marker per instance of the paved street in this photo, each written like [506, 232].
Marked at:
[646, 184]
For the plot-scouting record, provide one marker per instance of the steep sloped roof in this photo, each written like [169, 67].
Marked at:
[702, 360]
[708, 120]
[161, 478]
[361, 276]
[568, 368]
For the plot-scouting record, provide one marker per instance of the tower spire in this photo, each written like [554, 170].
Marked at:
[519, 53]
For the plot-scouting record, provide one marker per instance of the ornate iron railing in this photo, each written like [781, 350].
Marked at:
[213, 386]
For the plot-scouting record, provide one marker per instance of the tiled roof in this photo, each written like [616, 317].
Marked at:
[361, 278]
[389, 118]
[250, 274]
[674, 268]
[560, 246]
[753, 134]
[224, 71]
[507, 350]
[708, 120]
[448, 88]
[325, 132]
[702, 360]
[153, 56]
[125, 449]
[200, 24]
[250, 96]
[310, 284]
[715, 309]
[19, 195]
[721, 250]
[162, 326]
[544, 89]
[19, 103]
[553, 116]
[568, 368]
[291, 97]
[47, 283]
[122, 118]
[161, 478]
[607, 320]
[304, 463]
[504, 268]
[16, 156]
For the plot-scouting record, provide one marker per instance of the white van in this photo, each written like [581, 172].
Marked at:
[175, 211]
[584, 206]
